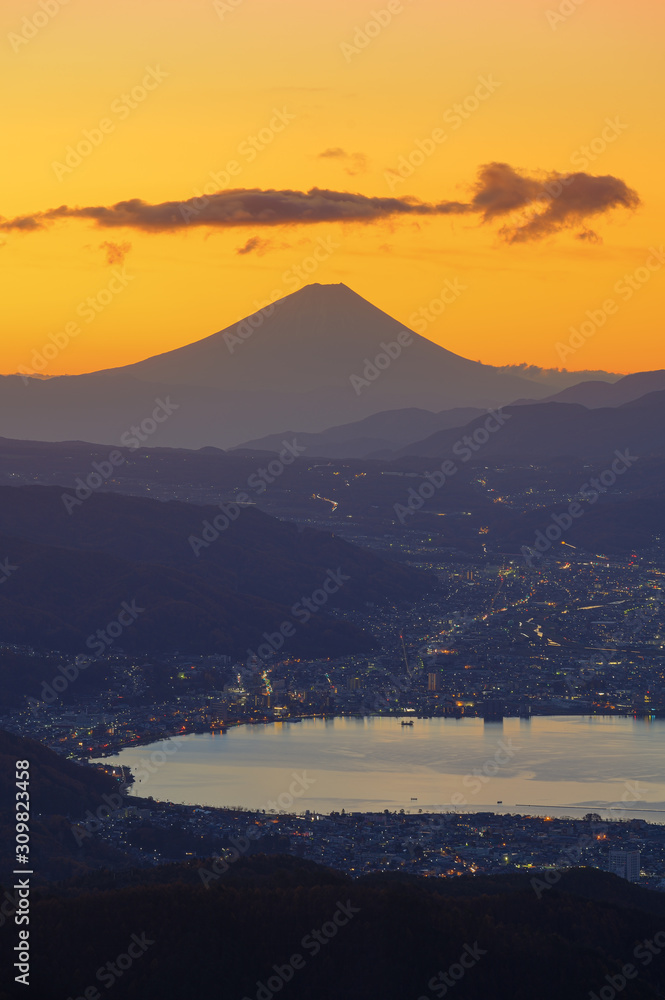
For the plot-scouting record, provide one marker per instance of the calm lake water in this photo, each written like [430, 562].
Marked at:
[558, 765]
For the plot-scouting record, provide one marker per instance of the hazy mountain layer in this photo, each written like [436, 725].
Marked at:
[204, 581]
[316, 358]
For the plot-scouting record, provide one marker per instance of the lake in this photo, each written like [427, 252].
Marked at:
[553, 764]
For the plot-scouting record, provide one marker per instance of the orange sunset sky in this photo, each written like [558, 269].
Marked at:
[219, 74]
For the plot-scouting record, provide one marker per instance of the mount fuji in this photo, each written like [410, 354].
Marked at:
[320, 356]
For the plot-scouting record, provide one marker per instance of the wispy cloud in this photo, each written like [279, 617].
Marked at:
[255, 245]
[354, 163]
[115, 252]
[544, 205]
[588, 236]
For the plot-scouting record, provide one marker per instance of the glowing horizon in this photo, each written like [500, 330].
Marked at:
[163, 104]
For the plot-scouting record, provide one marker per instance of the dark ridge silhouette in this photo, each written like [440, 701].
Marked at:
[545, 431]
[397, 935]
[73, 572]
[600, 393]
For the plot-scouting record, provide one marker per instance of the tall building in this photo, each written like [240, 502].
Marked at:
[625, 864]
[432, 682]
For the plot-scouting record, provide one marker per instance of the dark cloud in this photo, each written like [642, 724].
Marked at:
[552, 375]
[333, 153]
[559, 201]
[255, 245]
[500, 189]
[589, 236]
[547, 205]
[232, 208]
[115, 252]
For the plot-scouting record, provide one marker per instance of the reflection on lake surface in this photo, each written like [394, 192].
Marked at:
[564, 765]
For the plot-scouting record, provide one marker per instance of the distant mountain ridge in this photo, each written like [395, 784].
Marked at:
[594, 394]
[546, 431]
[377, 436]
[395, 433]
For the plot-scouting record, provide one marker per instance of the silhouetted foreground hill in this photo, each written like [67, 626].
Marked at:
[57, 785]
[74, 573]
[60, 791]
[280, 925]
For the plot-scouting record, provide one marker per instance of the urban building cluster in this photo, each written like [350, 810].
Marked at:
[444, 844]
